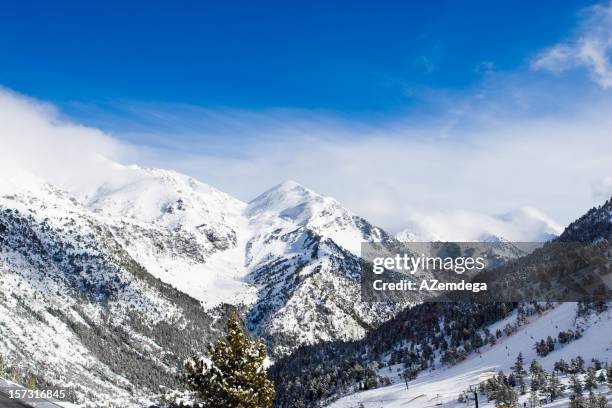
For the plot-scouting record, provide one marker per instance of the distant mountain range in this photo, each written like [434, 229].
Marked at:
[522, 225]
[112, 288]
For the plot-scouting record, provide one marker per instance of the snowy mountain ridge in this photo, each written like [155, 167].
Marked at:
[76, 310]
[524, 224]
[148, 262]
[297, 205]
[304, 257]
[236, 249]
[149, 259]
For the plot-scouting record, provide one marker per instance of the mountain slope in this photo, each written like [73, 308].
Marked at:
[595, 225]
[436, 335]
[113, 288]
[443, 386]
[77, 311]
[303, 257]
[182, 231]
[108, 292]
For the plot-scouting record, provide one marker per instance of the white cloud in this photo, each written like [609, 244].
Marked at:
[34, 138]
[602, 189]
[521, 225]
[388, 173]
[590, 47]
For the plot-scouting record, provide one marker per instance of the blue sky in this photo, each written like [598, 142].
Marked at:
[354, 58]
[398, 109]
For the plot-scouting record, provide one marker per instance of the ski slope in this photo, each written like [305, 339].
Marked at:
[443, 386]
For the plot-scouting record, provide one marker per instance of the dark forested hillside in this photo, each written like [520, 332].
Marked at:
[431, 335]
[415, 337]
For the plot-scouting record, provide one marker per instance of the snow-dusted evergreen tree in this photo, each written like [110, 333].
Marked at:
[235, 376]
[601, 378]
[590, 381]
[538, 375]
[506, 397]
[518, 370]
[602, 402]
[576, 385]
[554, 388]
[577, 365]
[592, 401]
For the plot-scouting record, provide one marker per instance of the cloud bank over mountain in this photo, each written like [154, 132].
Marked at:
[521, 225]
[389, 174]
[37, 139]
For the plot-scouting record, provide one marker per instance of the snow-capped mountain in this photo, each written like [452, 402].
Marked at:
[133, 276]
[292, 205]
[184, 232]
[303, 256]
[78, 311]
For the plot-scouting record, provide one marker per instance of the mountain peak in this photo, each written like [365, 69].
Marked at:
[282, 197]
[595, 225]
[290, 185]
[163, 197]
[287, 190]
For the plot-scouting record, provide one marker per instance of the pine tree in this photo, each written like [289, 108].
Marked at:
[601, 378]
[505, 397]
[577, 401]
[577, 365]
[518, 370]
[596, 364]
[235, 376]
[30, 382]
[590, 381]
[371, 380]
[561, 366]
[512, 380]
[534, 367]
[538, 375]
[576, 385]
[554, 386]
[550, 344]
